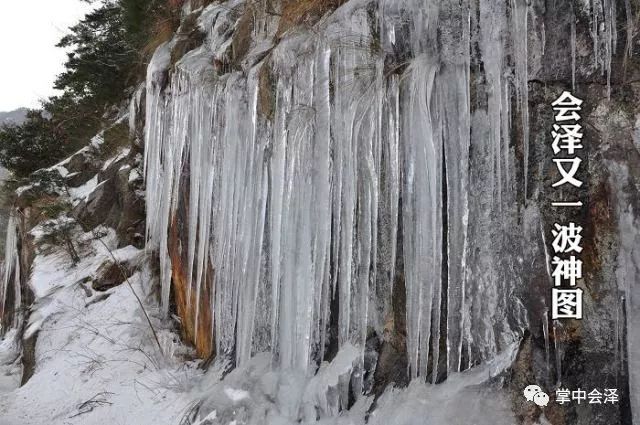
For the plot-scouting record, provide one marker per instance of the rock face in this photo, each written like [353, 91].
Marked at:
[117, 199]
[327, 173]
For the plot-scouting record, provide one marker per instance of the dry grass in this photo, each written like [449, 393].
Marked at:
[266, 92]
[163, 30]
[200, 3]
[189, 36]
[194, 3]
[304, 12]
[242, 36]
[116, 137]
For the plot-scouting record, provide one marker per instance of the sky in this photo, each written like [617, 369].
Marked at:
[29, 60]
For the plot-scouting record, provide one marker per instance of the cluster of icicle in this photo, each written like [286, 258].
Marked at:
[361, 167]
[11, 275]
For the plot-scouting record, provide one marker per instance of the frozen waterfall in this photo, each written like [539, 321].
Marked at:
[355, 163]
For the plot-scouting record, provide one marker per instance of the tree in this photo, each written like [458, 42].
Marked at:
[106, 48]
[98, 65]
[33, 145]
[105, 58]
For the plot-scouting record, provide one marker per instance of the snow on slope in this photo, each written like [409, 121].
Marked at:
[96, 360]
[10, 366]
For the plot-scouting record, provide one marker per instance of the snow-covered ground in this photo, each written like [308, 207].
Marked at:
[10, 366]
[96, 359]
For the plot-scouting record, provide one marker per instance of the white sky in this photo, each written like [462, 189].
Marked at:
[29, 60]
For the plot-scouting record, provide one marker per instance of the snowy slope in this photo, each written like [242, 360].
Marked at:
[95, 355]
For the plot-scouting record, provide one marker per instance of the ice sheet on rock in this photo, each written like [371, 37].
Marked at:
[327, 393]
[256, 394]
[135, 106]
[519, 35]
[628, 275]
[440, 404]
[603, 15]
[306, 207]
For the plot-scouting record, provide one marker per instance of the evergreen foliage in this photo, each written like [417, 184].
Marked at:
[106, 56]
[30, 146]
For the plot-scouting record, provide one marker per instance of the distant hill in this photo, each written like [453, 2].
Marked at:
[17, 116]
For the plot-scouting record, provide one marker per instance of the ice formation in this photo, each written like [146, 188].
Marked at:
[11, 274]
[305, 207]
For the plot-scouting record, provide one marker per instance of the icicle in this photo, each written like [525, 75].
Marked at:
[389, 196]
[252, 218]
[492, 24]
[156, 164]
[612, 38]
[604, 36]
[620, 329]
[630, 30]
[453, 116]
[322, 165]
[422, 211]
[594, 32]
[545, 333]
[288, 213]
[297, 287]
[520, 12]
[573, 49]
[11, 277]
[558, 353]
[134, 109]
[277, 206]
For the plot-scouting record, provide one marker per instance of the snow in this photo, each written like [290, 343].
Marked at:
[80, 193]
[122, 153]
[10, 366]
[302, 210]
[236, 395]
[88, 150]
[22, 189]
[134, 175]
[95, 355]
